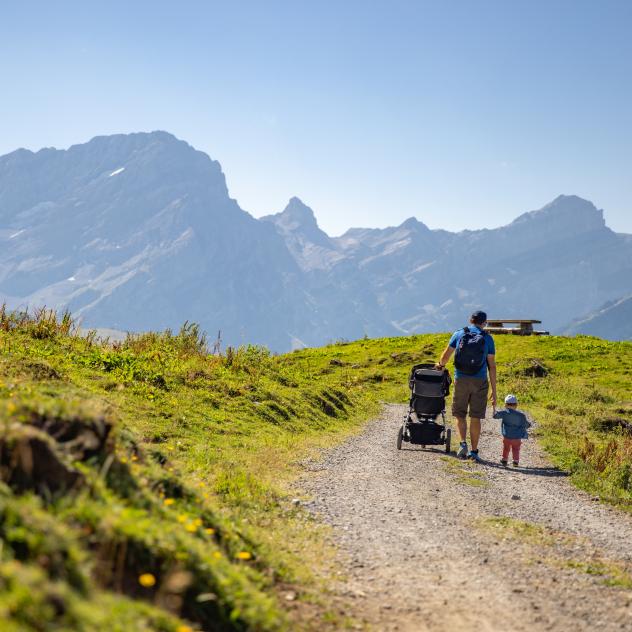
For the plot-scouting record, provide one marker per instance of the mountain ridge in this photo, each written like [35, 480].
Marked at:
[139, 232]
[611, 321]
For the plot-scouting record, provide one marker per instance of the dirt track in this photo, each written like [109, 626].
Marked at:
[416, 530]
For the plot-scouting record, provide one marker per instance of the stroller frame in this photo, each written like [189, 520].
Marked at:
[429, 388]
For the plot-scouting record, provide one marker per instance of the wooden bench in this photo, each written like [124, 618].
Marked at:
[524, 327]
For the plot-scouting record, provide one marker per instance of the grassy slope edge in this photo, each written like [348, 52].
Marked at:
[181, 520]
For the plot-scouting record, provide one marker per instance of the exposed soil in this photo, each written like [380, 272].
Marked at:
[417, 533]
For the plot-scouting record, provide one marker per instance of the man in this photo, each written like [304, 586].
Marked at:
[475, 354]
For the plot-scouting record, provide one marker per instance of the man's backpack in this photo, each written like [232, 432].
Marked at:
[471, 356]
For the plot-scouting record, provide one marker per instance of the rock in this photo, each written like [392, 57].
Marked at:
[80, 436]
[515, 497]
[31, 460]
[535, 368]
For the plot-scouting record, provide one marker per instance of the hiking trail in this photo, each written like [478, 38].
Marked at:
[433, 543]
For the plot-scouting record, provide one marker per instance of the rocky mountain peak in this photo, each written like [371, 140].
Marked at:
[297, 215]
[154, 169]
[413, 224]
[298, 220]
[567, 213]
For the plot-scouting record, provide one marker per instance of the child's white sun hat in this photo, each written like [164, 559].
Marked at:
[511, 399]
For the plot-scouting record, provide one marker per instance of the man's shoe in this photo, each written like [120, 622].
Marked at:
[473, 456]
[462, 453]
[503, 462]
[515, 463]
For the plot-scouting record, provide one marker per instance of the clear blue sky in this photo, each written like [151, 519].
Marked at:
[463, 114]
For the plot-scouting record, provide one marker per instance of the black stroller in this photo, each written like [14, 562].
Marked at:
[428, 389]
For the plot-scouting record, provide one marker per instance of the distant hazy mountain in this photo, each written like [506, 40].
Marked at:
[612, 321]
[138, 231]
[550, 264]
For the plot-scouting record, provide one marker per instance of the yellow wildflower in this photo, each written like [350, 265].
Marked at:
[169, 501]
[217, 555]
[147, 580]
[243, 555]
[181, 518]
[184, 628]
[190, 527]
[209, 531]
[197, 522]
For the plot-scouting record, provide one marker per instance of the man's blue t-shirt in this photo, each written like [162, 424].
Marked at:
[490, 349]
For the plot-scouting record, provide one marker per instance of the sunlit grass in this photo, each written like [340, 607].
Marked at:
[206, 449]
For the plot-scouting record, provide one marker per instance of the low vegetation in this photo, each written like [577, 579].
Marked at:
[558, 549]
[146, 484]
[464, 472]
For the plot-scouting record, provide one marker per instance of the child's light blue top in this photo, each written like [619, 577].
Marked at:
[514, 423]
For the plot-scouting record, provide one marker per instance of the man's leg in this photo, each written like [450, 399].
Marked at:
[461, 426]
[475, 432]
[478, 405]
[460, 400]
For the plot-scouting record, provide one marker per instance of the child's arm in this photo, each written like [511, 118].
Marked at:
[527, 424]
[498, 414]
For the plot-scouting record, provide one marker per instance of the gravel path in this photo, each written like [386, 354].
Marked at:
[416, 530]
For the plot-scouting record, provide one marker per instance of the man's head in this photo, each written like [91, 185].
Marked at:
[478, 318]
[511, 401]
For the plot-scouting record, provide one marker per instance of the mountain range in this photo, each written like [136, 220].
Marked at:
[138, 231]
[612, 321]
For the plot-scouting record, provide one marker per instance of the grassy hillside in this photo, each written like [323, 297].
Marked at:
[145, 483]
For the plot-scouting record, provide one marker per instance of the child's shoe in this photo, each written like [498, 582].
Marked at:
[503, 462]
[515, 463]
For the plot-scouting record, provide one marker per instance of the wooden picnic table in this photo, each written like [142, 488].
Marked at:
[524, 328]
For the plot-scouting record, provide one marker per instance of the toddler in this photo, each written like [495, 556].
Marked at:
[514, 428]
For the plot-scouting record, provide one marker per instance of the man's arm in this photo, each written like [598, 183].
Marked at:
[445, 357]
[491, 363]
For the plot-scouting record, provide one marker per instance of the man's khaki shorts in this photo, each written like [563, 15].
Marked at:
[470, 391]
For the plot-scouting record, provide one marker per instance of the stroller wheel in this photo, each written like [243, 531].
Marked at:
[400, 436]
[448, 438]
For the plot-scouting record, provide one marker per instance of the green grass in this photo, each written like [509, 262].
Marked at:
[464, 472]
[557, 549]
[504, 528]
[588, 387]
[193, 486]
[611, 573]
